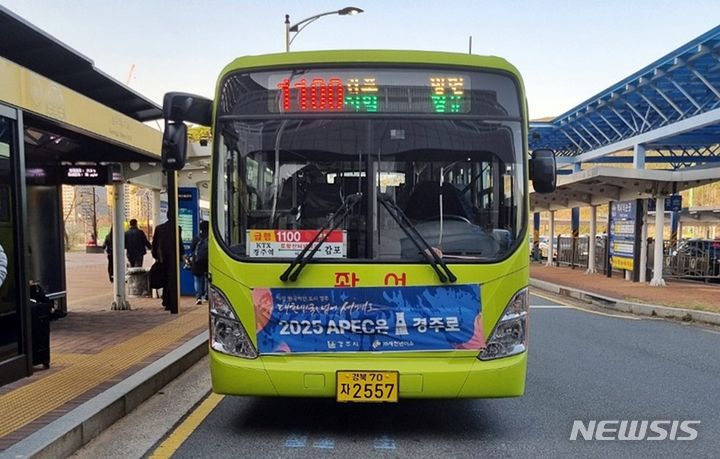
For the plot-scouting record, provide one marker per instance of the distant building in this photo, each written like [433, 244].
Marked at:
[78, 211]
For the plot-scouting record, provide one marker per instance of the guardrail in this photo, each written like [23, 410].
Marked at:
[698, 264]
[693, 264]
[575, 252]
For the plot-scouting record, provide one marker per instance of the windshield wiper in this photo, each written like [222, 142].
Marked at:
[407, 226]
[335, 220]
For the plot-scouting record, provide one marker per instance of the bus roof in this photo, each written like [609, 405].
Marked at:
[268, 61]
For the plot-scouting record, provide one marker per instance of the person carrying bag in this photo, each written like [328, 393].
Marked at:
[161, 251]
[199, 262]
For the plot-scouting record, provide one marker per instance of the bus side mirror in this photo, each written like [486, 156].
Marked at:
[543, 171]
[181, 106]
[174, 146]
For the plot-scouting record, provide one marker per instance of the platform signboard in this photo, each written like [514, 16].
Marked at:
[188, 219]
[623, 218]
[672, 203]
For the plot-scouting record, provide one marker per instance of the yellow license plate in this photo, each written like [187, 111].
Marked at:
[367, 386]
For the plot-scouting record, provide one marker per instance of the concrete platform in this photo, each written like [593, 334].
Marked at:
[93, 351]
[678, 299]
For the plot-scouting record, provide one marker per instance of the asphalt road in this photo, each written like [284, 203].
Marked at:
[583, 366]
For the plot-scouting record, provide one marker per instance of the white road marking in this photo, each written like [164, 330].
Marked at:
[296, 441]
[714, 332]
[324, 443]
[589, 311]
[384, 442]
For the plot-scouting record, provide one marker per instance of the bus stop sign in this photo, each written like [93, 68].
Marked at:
[672, 203]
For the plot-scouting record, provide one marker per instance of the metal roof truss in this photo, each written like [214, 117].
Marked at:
[672, 105]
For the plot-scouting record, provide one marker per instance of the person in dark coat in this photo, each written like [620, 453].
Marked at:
[3, 265]
[136, 243]
[108, 248]
[162, 252]
[199, 264]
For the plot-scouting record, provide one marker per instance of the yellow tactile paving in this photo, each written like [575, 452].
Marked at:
[62, 359]
[24, 404]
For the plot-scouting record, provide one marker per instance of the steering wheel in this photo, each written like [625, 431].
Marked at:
[454, 217]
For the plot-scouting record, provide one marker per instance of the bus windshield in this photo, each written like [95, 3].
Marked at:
[283, 170]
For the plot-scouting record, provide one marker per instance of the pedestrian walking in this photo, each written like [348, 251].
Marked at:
[136, 243]
[108, 248]
[199, 262]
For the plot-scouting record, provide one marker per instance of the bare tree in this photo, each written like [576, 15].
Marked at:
[70, 211]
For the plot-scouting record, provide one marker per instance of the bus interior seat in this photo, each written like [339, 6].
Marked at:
[423, 202]
[352, 185]
[319, 201]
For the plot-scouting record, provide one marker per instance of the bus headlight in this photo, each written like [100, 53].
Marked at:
[227, 334]
[510, 334]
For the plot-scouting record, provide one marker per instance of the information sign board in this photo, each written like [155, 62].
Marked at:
[623, 219]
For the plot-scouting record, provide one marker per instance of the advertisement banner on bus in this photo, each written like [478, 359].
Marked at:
[427, 318]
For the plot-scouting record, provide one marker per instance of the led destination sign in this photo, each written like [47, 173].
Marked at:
[67, 175]
[369, 91]
[85, 175]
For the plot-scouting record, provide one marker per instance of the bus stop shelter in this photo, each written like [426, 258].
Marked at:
[666, 115]
[61, 121]
[602, 185]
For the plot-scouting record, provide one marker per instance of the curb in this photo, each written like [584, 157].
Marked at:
[614, 304]
[67, 434]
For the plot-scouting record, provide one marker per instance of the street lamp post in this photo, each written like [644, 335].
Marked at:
[299, 26]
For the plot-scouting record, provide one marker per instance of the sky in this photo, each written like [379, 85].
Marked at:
[567, 51]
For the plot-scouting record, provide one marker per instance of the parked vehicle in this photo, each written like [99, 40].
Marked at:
[545, 247]
[542, 246]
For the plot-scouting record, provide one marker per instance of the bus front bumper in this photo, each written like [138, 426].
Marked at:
[420, 377]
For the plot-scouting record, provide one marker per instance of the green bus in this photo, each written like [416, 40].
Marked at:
[369, 224]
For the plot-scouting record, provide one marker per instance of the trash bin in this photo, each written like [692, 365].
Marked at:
[138, 282]
[40, 307]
